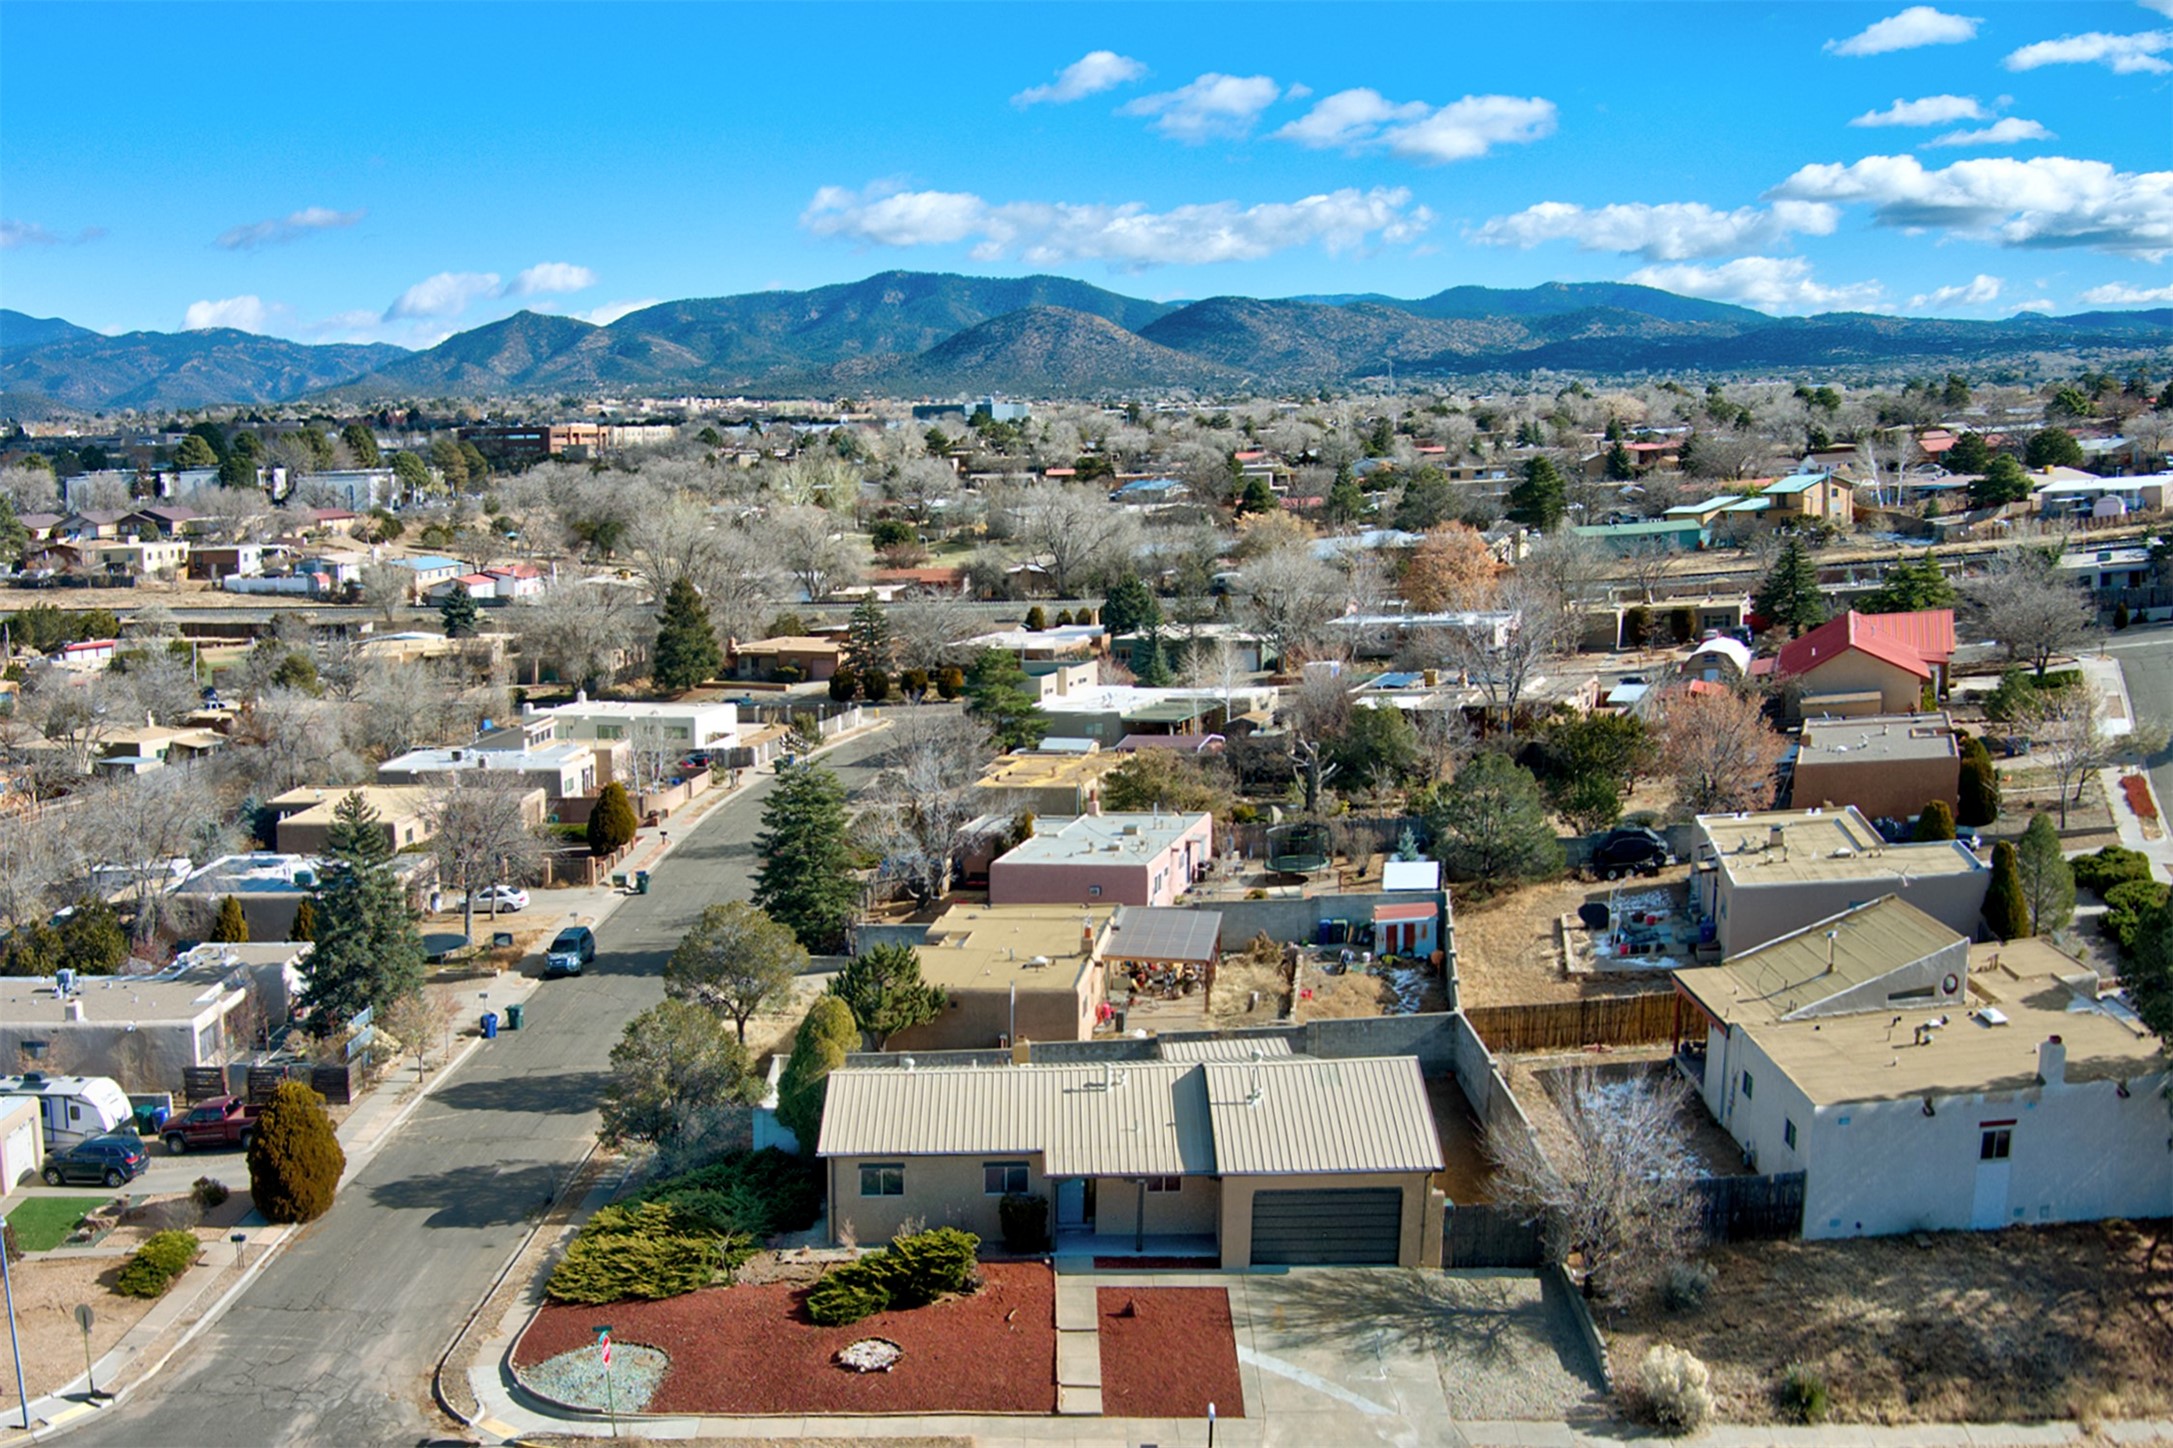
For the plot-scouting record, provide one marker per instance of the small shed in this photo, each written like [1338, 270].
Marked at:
[1407, 927]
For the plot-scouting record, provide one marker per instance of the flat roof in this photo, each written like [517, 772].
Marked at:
[1991, 1046]
[1880, 737]
[1163, 933]
[1803, 968]
[470, 756]
[1106, 838]
[314, 803]
[632, 709]
[1039, 771]
[112, 1000]
[996, 947]
[1819, 844]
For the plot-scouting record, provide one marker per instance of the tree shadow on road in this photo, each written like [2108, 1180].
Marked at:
[567, 1093]
[481, 1198]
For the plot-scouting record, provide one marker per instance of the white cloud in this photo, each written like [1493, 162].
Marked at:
[445, 295]
[1364, 119]
[548, 277]
[1930, 111]
[1044, 233]
[1772, 283]
[2163, 7]
[1668, 231]
[2042, 202]
[278, 230]
[247, 314]
[2120, 294]
[2003, 132]
[1211, 106]
[610, 312]
[2123, 54]
[1918, 25]
[1090, 74]
[2043, 306]
[29, 233]
[1973, 293]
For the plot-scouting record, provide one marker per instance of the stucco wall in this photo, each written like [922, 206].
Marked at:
[940, 1191]
[976, 1019]
[1117, 882]
[1885, 788]
[1853, 671]
[1192, 1210]
[1238, 1193]
[1747, 916]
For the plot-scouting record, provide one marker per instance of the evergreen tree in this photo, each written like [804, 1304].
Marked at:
[1428, 501]
[1130, 607]
[2147, 974]
[2005, 911]
[1258, 497]
[238, 469]
[1540, 500]
[1978, 801]
[413, 473]
[305, 921]
[14, 537]
[805, 881]
[295, 1157]
[362, 443]
[999, 694]
[868, 643]
[194, 452]
[1969, 454]
[1936, 823]
[612, 822]
[2052, 447]
[844, 684]
[1790, 595]
[1150, 660]
[2048, 881]
[1619, 467]
[882, 987]
[459, 614]
[1037, 619]
[1490, 824]
[1909, 586]
[2003, 482]
[1346, 502]
[827, 1034]
[686, 646]
[368, 953]
[232, 927]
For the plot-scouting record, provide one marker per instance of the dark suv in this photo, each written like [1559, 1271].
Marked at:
[111, 1160]
[574, 947]
[1630, 850]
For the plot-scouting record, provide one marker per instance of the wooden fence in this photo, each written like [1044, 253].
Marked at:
[1632, 1020]
[1491, 1236]
[1751, 1208]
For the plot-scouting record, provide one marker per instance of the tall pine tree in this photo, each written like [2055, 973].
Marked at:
[368, 953]
[459, 613]
[686, 645]
[868, 645]
[999, 694]
[1130, 607]
[806, 880]
[1790, 595]
[1540, 500]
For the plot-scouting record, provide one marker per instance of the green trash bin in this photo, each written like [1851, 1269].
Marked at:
[641, 882]
[513, 1016]
[618, 880]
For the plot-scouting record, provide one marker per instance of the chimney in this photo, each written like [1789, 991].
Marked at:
[71, 1009]
[2052, 1062]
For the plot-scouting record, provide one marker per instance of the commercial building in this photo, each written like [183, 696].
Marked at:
[1761, 875]
[1923, 1085]
[1889, 766]
[1277, 1161]
[1116, 859]
[519, 444]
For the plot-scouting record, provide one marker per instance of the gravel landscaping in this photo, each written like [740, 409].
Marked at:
[1167, 1352]
[576, 1378]
[752, 1349]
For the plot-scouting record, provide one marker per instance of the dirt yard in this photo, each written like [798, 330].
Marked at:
[749, 1349]
[2020, 1325]
[1505, 950]
[1167, 1352]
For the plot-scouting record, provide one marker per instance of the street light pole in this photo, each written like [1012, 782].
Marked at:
[7, 1288]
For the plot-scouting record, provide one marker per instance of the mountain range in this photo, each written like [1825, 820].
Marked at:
[921, 334]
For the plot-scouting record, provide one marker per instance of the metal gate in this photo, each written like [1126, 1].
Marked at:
[1345, 1226]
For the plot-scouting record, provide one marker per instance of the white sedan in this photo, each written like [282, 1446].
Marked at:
[501, 898]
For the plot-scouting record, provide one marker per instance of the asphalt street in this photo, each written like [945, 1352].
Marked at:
[2145, 655]
[336, 1341]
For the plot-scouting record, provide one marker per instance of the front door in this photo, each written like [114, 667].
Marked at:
[1074, 1204]
[1988, 1203]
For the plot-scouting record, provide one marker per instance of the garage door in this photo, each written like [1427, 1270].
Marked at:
[1346, 1226]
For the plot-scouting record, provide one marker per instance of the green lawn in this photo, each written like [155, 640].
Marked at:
[43, 1223]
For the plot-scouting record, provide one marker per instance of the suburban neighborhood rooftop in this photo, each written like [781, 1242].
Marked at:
[1775, 847]
[1782, 976]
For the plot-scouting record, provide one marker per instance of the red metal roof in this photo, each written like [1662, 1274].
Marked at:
[1421, 911]
[1930, 631]
[1912, 641]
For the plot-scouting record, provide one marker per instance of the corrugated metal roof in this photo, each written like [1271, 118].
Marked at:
[1138, 1119]
[1223, 1048]
[1362, 1115]
[1792, 973]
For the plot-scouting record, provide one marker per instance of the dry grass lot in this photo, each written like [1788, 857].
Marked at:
[2070, 1322]
[1505, 952]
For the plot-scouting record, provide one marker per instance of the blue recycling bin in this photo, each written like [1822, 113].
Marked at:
[490, 1025]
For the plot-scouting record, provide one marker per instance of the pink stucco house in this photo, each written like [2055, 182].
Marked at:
[1113, 859]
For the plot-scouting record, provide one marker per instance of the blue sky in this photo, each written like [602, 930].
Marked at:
[394, 173]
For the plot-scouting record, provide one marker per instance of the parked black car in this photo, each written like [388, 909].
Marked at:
[112, 1160]
[1630, 850]
[574, 947]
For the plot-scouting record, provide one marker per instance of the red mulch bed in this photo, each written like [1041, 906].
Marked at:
[1158, 1264]
[1173, 1355]
[752, 1349]
[2138, 793]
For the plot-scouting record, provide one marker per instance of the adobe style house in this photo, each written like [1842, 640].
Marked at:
[1924, 1085]
[1022, 972]
[798, 656]
[1095, 859]
[1889, 766]
[1760, 876]
[1867, 663]
[1280, 1160]
[1062, 777]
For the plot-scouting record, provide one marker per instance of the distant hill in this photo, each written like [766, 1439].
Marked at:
[919, 333]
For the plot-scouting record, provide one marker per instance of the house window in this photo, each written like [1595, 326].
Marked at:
[1003, 1178]
[1746, 1086]
[1997, 1145]
[882, 1179]
[1788, 1132]
[1094, 892]
[1160, 1185]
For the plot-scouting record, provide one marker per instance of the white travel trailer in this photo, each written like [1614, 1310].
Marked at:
[73, 1108]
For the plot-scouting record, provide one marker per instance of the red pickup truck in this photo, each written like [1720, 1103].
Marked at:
[221, 1121]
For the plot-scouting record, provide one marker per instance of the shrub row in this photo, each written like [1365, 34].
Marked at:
[912, 1271]
[749, 1194]
[163, 1257]
[648, 1251]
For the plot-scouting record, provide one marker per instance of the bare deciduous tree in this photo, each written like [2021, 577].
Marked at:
[2022, 601]
[1289, 598]
[809, 544]
[1537, 634]
[925, 797]
[480, 836]
[1617, 1205]
[2068, 735]
[1073, 532]
[133, 826]
[1719, 752]
[577, 631]
[928, 630]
